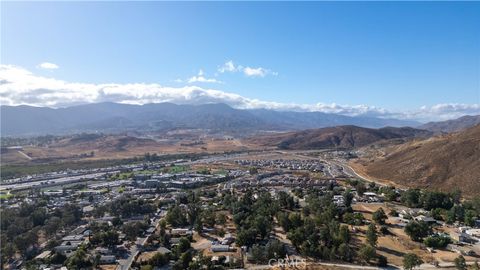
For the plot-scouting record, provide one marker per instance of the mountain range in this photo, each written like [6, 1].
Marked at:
[115, 117]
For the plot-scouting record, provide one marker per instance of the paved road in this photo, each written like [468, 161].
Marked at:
[350, 171]
[56, 182]
[125, 264]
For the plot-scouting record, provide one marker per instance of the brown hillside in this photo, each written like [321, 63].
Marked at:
[336, 137]
[444, 163]
[453, 125]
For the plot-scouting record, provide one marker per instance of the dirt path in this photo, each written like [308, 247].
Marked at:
[25, 155]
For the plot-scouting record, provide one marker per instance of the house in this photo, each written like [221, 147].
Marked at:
[477, 223]
[141, 177]
[65, 249]
[107, 259]
[473, 232]
[338, 200]
[425, 219]
[181, 231]
[466, 238]
[220, 248]
[76, 237]
[164, 250]
[152, 183]
[175, 241]
[228, 239]
[44, 255]
[404, 215]
[88, 209]
[103, 251]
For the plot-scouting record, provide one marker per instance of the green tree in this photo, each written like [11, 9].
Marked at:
[258, 253]
[470, 217]
[275, 249]
[246, 237]
[382, 261]
[372, 236]
[417, 230]
[367, 253]
[344, 234]
[456, 213]
[460, 263]
[379, 216]
[411, 260]
[360, 187]
[184, 261]
[134, 229]
[79, 259]
[345, 253]
[284, 221]
[176, 216]
[437, 241]
[158, 259]
[208, 217]
[221, 218]
[348, 197]
[411, 198]
[183, 245]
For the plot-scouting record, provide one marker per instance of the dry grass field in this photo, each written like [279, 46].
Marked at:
[118, 147]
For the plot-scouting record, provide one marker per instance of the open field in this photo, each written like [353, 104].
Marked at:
[117, 147]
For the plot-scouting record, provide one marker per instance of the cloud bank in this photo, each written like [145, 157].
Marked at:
[19, 86]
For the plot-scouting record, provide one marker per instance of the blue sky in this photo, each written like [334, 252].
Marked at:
[397, 56]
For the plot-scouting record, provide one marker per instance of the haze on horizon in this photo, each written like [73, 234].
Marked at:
[407, 60]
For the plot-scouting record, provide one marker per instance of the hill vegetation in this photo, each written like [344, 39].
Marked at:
[343, 137]
[445, 163]
[453, 125]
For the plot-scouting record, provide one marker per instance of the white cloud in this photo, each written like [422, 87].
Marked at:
[229, 66]
[47, 65]
[202, 79]
[258, 72]
[19, 86]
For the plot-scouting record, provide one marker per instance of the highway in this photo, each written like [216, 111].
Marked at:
[55, 182]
